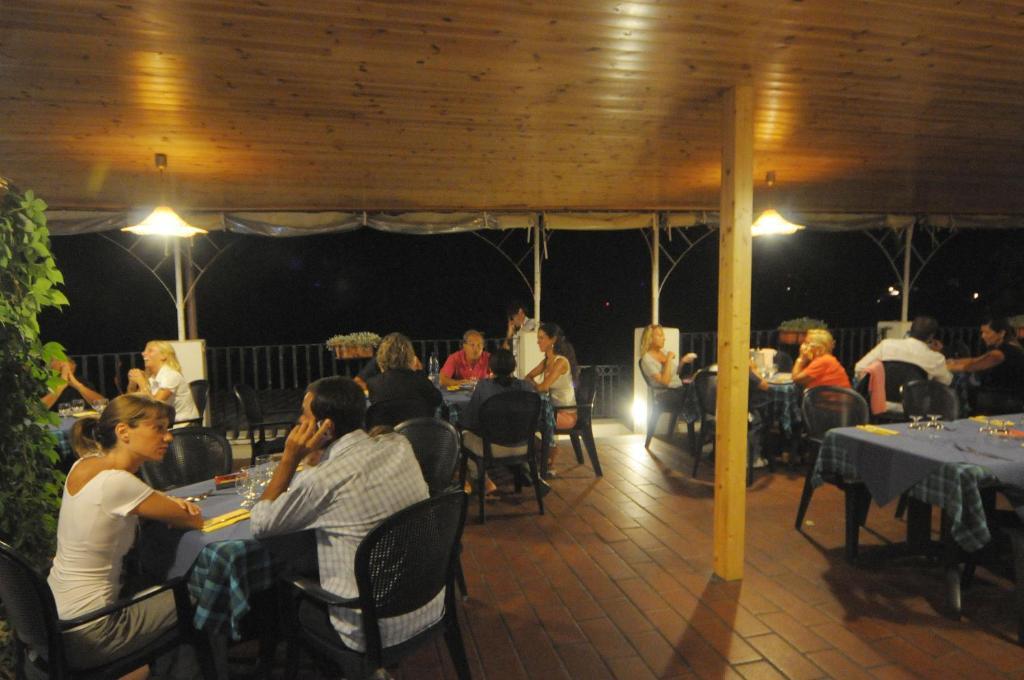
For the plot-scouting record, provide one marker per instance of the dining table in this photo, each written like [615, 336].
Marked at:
[950, 465]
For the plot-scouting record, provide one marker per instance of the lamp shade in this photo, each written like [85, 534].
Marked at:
[771, 222]
[163, 221]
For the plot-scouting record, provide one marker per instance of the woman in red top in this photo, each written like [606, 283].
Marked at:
[816, 365]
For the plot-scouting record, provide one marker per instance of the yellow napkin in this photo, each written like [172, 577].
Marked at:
[980, 419]
[84, 414]
[225, 520]
[453, 388]
[875, 429]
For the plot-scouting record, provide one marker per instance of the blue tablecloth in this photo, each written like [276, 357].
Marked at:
[946, 469]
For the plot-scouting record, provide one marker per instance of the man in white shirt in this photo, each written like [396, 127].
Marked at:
[913, 349]
[358, 482]
[518, 322]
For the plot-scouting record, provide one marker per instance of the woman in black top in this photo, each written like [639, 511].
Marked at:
[1000, 369]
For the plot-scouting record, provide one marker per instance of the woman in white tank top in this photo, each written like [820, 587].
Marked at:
[555, 375]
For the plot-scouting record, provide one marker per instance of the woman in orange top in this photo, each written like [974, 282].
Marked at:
[816, 364]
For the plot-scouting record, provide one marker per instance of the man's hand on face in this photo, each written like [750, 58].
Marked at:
[305, 438]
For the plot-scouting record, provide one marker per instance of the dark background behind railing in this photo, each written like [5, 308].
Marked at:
[281, 372]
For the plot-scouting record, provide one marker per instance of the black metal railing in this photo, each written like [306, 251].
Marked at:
[281, 372]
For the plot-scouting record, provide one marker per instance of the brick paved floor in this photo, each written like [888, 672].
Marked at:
[616, 582]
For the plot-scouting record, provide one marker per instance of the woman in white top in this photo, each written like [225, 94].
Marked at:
[661, 367]
[555, 375]
[163, 379]
[99, 515]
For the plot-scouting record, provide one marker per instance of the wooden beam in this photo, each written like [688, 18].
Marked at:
[734, 261]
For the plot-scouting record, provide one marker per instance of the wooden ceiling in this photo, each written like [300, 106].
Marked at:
[862, 105]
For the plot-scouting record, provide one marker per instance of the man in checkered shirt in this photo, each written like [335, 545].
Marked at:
[358, 482]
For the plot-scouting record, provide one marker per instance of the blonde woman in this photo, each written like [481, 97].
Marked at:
[400, 376]
[657, 364]
[816, 365]
[163, 380]
[99, 516]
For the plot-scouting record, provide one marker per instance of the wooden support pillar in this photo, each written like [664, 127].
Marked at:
[655, 269]
[734, 262]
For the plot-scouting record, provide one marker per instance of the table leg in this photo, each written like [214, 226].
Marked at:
[919, 525]
[951, 567]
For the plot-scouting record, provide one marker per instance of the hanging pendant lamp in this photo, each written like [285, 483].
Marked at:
[163, 221]
[770, 222]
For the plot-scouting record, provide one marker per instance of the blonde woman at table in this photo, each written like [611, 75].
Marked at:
[162, 378]
[816, 365]
[555, 375]
[661, 366]
[99, 516]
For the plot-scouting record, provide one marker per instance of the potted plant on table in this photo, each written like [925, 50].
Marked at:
[793, 331]
[354, 345]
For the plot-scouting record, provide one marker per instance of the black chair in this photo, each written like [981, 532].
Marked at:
[200, 395]
[825, 408]
[197, 453]
[586, 393]
[656, 407]
[437, 445]
[706, 385]
[897, 374]
[508, 419]
[400, 566]
[391, 412]
[249, 404]
[923, 397]
[38, 633]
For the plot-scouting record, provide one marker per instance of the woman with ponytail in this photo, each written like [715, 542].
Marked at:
[99, 515]
[163, 379]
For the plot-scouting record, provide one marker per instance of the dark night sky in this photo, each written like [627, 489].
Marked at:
[596, 285]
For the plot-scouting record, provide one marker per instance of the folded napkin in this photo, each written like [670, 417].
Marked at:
[225, 520]
[875, 429]
[980, 419]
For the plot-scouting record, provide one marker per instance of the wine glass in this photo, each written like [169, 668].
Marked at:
[77, 405]
[99, 405]
[915, 422]
[934, 421]
[248, 486]
[64, 410]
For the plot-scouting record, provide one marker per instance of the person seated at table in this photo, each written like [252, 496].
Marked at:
[503, 365]
[915, 349]
[70, 388]
[661, 367]
[162, 379]
[555, 375]
[1000, 369]
[817, 366]
[469, 364]
[400, 377]
[360, 481]
[99, 516]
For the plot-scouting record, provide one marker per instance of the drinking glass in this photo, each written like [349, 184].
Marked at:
[248, 486]
[77, 405]
[64, 410]
[934, 421]
[915, 422]
[995, 427]
[99, 405]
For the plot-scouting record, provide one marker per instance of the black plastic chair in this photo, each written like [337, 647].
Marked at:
[400, 566]
[582, 433]
[195, 454]
[200, 395]
[825, 408]
[391, 412]
[507, 419]
[249, 404]
[38, 633]
[923, 397]
[437, 445]
[897, 374]
[656, 407]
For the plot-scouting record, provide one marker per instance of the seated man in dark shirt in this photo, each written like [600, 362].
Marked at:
[70, 388]
[399, 378]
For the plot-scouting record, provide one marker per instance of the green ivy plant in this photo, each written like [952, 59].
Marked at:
[802, 323]
[30, 483]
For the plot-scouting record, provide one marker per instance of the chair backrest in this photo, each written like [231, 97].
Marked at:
[436, 444]
[706, 385]
[827, 407]
[391, 412]
[406, 561]
[898, 374]
[783, 361]
[249, 403]
[921, 397]
[586, 394]
[200, 394]
[197, 453]
[30, 608]
[509, 418]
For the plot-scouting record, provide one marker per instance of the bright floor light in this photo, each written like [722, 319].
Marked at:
[771, 223]
[639, 412]
[163, 221]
